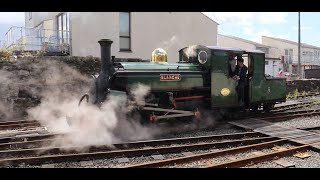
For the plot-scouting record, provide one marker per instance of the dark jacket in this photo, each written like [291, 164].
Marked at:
[231, 73]
[242, 73]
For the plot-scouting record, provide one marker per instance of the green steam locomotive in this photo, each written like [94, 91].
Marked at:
[199, 81]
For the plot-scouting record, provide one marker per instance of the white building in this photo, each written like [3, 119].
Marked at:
[134, 34]
[310, 55]
[272, 55]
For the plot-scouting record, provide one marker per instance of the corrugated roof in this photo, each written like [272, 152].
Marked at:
[225, 48]
[293, 42]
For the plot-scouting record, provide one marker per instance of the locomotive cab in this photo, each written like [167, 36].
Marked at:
[259, 91]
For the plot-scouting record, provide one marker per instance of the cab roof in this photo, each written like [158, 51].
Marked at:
[234, 49]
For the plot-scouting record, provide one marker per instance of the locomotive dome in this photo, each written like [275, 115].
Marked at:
[159, 55]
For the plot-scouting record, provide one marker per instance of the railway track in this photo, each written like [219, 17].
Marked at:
[234, 157]
[310, 94]
[279, 109]
[36, 150]
[17, 124]
[204, 158]
[48, 138]
[11, 125]
[296, 106]
[132, 149]
[21, 127]
[282, 116]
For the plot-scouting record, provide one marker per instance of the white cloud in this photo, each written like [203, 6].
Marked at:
[231, 17]
[247, 18]
[248, 30]
[302, 28]
[272, 17]
[11, 17]
[256, 37]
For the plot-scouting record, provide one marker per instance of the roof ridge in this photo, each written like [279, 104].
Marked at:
[245, 40]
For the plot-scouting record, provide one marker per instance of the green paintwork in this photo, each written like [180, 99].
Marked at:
[187, 82]
[263, 89]
[159, 66]
[148, 74]
[219, 81]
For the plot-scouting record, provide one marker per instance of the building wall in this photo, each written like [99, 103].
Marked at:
[310, 55]
[149, 30]
[39, 17]
[281, 46]
[231, 42]
[275, 52]
[305, 59]
[273, 66]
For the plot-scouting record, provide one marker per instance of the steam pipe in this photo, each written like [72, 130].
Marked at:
[84, 96]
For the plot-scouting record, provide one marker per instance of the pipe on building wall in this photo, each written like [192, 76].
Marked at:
[70, 33]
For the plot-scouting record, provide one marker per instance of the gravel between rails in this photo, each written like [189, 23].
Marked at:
[226, 129]
[310, 162]
[222, 159]
[17, 130]
[304, 122]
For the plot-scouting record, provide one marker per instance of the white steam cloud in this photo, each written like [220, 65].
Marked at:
[138, 92]
[166, 45]
[5, 113]
[88, 125]
[5, 84]
[191, 51]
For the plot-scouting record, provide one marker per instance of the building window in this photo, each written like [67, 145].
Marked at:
[125, 39]
[288, 56]
[30, 15]
[63, 27]
[266, 62]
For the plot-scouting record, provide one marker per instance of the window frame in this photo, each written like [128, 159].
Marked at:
[65, 32]
[129, 37]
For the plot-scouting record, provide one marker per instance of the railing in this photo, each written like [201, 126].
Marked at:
[303, 60]
[35, 39]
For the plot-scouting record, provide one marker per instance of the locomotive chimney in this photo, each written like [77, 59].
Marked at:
[101, 85]
[105, 46]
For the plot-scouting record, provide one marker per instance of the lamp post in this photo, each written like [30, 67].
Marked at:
[299, 46]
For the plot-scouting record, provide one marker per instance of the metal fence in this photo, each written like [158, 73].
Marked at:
[36, 39]
[305, 59]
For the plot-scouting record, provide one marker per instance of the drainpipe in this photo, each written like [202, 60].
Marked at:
[70, 33]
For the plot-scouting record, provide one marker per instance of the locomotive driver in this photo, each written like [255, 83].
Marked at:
[240, 74]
